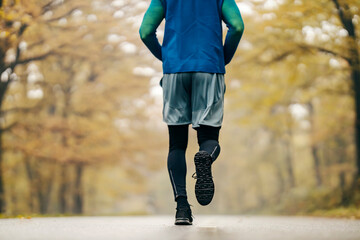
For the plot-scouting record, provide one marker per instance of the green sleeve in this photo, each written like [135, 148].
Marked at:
[235, 24]
[152, 19]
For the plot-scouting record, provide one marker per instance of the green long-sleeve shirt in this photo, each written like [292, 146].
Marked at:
[230, 15]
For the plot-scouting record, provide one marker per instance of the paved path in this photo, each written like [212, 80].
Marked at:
[161, 227]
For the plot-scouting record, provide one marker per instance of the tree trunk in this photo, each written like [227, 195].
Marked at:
[47, 188]
[41, 200]
[344, 194]
[315, 153]
[289, 164]
[346, 18]
[63, 188]
[278, 169]
[78, 191]
[287, 142]
[280, 181]
[349, 194]
[42, 186]
[355, 185]
[2, 193]
[30, 176]
[44, 196]
[314, 146]
[356, 80]
[3, 87]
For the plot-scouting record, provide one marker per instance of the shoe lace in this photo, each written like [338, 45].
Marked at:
[195, 175]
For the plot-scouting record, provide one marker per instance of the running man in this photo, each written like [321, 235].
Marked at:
[194, 58]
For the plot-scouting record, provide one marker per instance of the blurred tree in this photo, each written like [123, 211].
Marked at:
[32, 31]
[80, 103]
[345, 49]
[295, 55]
[16, 18]
[316, 48]
[346, 16]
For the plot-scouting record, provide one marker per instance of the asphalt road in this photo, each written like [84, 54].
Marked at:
[161, 227]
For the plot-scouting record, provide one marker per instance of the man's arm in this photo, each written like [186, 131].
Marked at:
[232, 17]
[152, 19]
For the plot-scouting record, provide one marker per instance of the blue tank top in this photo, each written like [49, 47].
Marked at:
[193, 36]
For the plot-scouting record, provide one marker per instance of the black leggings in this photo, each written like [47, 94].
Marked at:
[208, 139]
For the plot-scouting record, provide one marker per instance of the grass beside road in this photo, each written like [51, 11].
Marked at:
[33, 215]
[341, 212]
[351, 212]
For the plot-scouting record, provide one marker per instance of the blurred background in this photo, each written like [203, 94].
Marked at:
[81, 128]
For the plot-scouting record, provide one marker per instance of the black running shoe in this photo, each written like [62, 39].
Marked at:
[204, 187]
[183, 216]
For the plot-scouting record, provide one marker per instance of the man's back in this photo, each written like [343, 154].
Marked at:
[193, 36]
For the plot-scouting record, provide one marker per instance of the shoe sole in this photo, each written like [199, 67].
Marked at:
[204, 186]
[183, 222]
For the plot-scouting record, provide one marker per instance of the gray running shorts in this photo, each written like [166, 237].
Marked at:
[193, 97]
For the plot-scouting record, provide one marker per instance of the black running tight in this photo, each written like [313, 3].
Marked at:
[208, 139]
